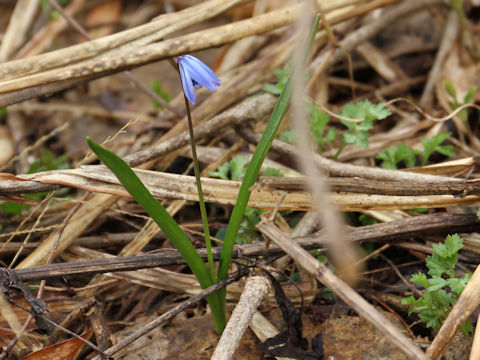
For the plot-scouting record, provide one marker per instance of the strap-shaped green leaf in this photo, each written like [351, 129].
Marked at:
[165, 221]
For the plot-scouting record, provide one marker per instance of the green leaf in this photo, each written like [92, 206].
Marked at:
[288, 136]
[366, 110]
[420, 279]
[328, 294]
[433, 144]
[445, 299]
[378, 111]
[272, 89]
[451, 90]
[357, 133]
[406, 154]
[436, 283]
[53, 13]
[367, 220]
[13, 208]
[438, 300]
[467, 328]
[46, 162]
[318, 122]
[164, 220]
[412, 302]
[358, 138]
[389, 158]
[237, 167]
[282, 76]
[419, 210]
[431, 319]
[331, 135]
[453, 243]
[458, 284]
[157, 88]
[232, 170]
[470, 95]
[436, 265]
[272, 172]
[222, 172]
[392, 157]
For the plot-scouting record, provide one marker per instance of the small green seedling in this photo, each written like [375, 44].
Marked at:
[158, 89]
[288, 136]
[366, 220]
[442, 288]
[318, 123]
[392, 157]
[468, 98]
[272, 172]
[357, 132]
[47, 161]
[276, 89]
[232, 170]
[235, 169]
[433, 144]
[53, 13]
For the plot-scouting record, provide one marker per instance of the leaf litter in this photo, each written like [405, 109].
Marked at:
[49, 215]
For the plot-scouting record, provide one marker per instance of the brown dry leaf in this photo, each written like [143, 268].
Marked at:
[65, 350]
[7, 147]
[153, 345]
[58, 305]
[7, 176]
[352, 337]
[104, 13]
[446, 167]
[174, 186]
[195, 338]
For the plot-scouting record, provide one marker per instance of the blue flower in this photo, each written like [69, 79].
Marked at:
[195, 74]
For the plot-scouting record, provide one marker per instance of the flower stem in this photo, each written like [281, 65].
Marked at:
[201, 201]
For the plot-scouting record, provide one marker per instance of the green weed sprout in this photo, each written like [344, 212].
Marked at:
[358, 132]
[468, 98]
[231, 170]
[158, 89]
[318, 123]
[47, 161]
[276, 89]
[391, 157]
[442, 288]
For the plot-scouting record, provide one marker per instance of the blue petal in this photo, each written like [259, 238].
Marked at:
[200, 73]
[209, 71]
[187, 82]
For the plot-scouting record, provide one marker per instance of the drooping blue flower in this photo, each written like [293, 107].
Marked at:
[195, 74]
